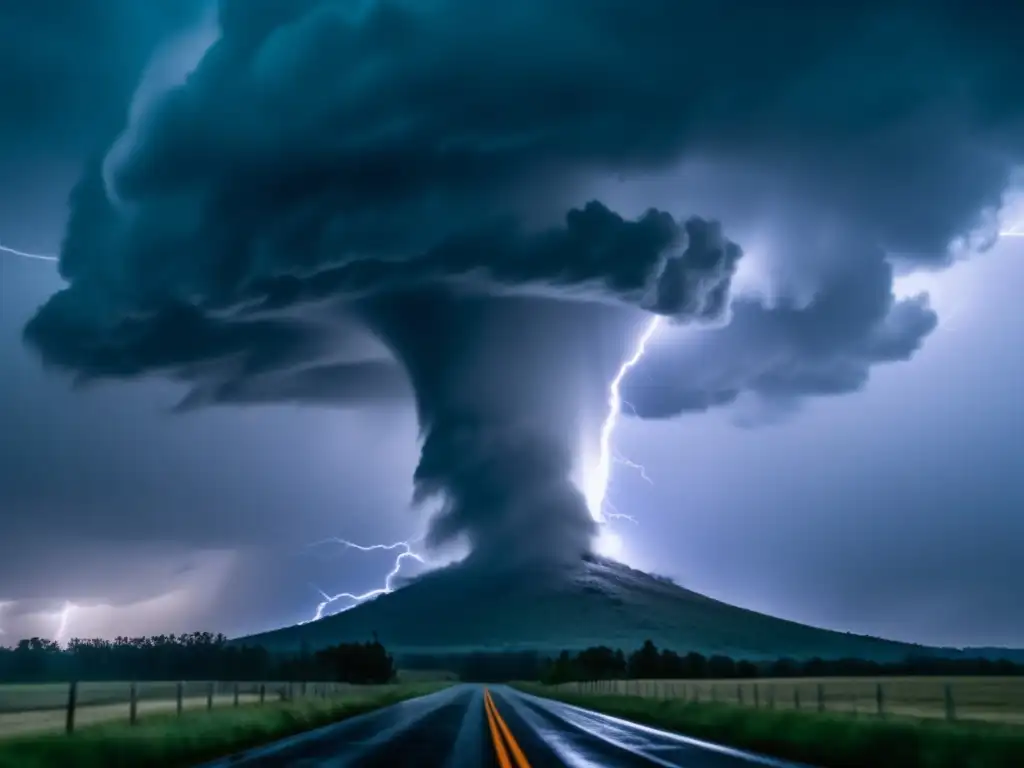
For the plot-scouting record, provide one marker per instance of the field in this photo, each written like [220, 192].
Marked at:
[167, 739]
[35, 708]
[991, 699]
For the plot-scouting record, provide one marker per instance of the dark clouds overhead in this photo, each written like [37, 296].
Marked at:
[328, 152]
[68, 67]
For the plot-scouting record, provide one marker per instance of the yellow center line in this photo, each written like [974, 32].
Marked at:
[499, 746]
[513, 745]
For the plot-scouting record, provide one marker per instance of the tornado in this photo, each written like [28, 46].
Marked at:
[504, 388]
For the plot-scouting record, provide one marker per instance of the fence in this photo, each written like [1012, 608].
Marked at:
[36, 706]
[998, 699]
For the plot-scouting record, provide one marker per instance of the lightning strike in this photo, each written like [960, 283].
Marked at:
[597, 493]
[60, 637]
[638, 468]
[407, 552]
[26, 254]
[612, 513]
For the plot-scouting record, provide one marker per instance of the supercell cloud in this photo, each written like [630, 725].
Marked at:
[349, 202]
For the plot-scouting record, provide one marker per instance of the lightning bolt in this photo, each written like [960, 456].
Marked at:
[60, 637]
[406, 552]
[597, 493]
[26, 254]
[639, 468]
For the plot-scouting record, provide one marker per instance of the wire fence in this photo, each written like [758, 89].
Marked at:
[995, 699]
[51, 706]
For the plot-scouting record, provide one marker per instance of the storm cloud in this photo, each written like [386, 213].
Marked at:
[430, 172]
[781, 352]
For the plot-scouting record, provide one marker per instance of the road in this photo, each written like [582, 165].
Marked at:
[469, 726]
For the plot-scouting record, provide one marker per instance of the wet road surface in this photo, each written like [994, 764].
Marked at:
[470, 726]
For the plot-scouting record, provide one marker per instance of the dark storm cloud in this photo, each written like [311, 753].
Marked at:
[67, 67]
[414, 157]
[784, 352]
[363, 382]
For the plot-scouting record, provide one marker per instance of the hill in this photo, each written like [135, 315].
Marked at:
[599, 602]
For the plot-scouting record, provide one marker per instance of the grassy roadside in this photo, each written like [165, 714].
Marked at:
[169, 740]
[828, 741]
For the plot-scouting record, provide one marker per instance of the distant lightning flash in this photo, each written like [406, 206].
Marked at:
[62, 624]
[407, 552]
[597, 493]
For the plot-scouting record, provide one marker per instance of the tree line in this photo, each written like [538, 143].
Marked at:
[206, 656]
[650, 663]
[193, 656]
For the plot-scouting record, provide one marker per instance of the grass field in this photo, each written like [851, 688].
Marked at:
[829, 740]
[169, 740]
[993, 699]
[26, 709]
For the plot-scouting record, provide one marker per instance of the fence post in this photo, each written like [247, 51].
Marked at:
[880, 699]
[179, 696]
[302, 689]
[796, 697]
[950, 704]
[739, 694]
[263, 693]
[209, 695]
[133, 704]
[821, 697]
[69, 723]
[696, 694]
[714, 692]
[236, 695]
[771, 696]
[757, 696]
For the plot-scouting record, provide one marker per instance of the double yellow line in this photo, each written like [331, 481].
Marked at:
[502, 737]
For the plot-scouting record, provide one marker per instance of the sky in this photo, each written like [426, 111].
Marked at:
[829, 448]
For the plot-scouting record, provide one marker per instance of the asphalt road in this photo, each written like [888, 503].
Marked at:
[470, 726]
